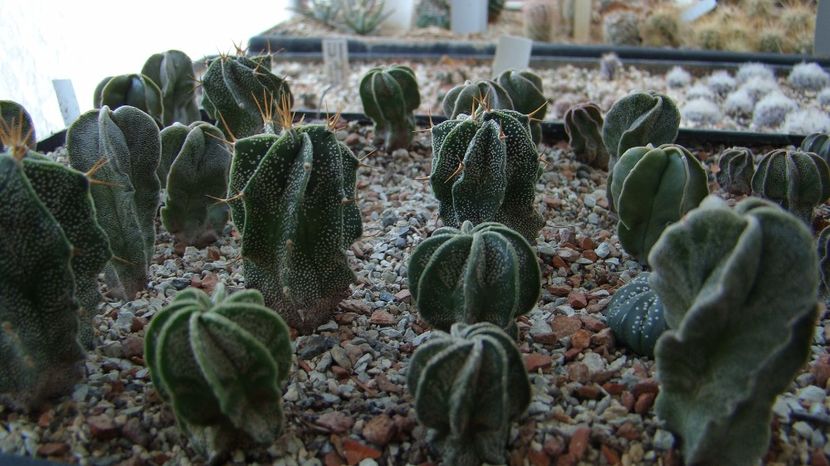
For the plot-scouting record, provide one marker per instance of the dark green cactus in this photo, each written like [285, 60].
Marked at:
[739, 290]
[120, 150]
[797, 181]
[824, 259]
[484, 168]
[736, 166]
[135, 90]
[494, 9]
[172, 72]
[295, 206]
[525, 91]
[469, 386]
[819, 144]
[653, 188]
[635, 315]
[389, 97]
[468, 97]
[486, 273]
[15, 116]
[242, 94]
[583, 125]
[221, 363]
[198, 178]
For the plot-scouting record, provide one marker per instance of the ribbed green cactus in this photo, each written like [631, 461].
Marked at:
[120, 149]
[824, 259]
[389, 96]
[739, 290]
[242, 94]
[797, 181]
[484, 168]
[294, 203]
[486, 273]
[635, 315]
[638, 119]
[198, 177]
[221, 363]
[525, 91]
[583, 125]
[172, 72]
[467, 97]
[14, 115]
[653, 188]
[135, 90]
[819, 144]
[736, 166]
[469, 386]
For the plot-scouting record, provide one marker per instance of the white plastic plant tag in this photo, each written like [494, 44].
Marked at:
[698, 9]
[336, 60]
[66, 100]
[512, 53]
[468, 16]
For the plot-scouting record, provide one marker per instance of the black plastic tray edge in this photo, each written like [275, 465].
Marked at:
[14, 460]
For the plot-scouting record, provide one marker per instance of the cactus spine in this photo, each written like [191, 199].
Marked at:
[736, 169]
[389, 97]
[525, 91]
[172, 72]
[797, 181]
[468, 97]
[583, 125]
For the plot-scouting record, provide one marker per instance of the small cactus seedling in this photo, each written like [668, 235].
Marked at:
[135, 90]
[824, 259]
[221, 362]
[739, 291]
[198, 176]
[772, 110]
[678, 78]
[389, 97]
[609, 66]
[736, 169]
[819, 144]
[467, 97]
[525, 91]
[486, 273]
[583, 125]
[797, 181]
[14, 115]
[172, 71]
[635, 315]
[469, 386]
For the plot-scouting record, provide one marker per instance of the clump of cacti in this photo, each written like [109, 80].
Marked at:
[583, 125]
[701, 111]
[797, 181]
[122, 149]
[823, 242]
[739, 291]
[621, 28]
[819, 144]
[808, 77]
[469, 386]
[14, 116]
[172, 71]
[635, 315]
[389, 96]
[525, 91]
[678, 78]
[468, 97]
[661, 27]
[736, 167]
[221, 362]
[721, 82]
[135, 90]
[772, 110]
[198, 176]
[486, 273]
[609, 66]
[806, 121]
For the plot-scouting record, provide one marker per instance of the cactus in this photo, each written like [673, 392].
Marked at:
[653, 188]
[198, 177]
[661, 27]
[121, 148]
[389, 96]
[469, 386]
[772, 110]
[701, 111]
[739, 290]
[13, 115]
[486, 273]
[583, 125]
[296, 209]
[484, 168]
[539, 17]
[172, 72]
[241, 94]
[609, 66]
[678, 78]
[817, 143]
[494, 9]
[221, 363]
[364, 16]
[721, 83]
[806, 121]
[823, 242]
[525, 91]
[621, 28]
[635, 315]
[135, 90]
[797, 181]
[467, 97]
[739, 102]
[808, 77]
[736, 166]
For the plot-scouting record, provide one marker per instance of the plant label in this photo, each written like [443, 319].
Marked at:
[67, 101]
[336, 60]
[512, 53]
[697, 9]
[468, 16]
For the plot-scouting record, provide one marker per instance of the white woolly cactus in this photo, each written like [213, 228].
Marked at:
[772, 109]
[758, 87]
[739, 103]
[754, 70]
[721, 82]
[807, 121]
[700, 91]
[808, 77]
[701, 111]
[677, 77]
[823, 97]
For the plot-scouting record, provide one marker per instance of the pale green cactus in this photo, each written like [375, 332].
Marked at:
[797, 181]
[736, 166]
[468, 97]
[172, 72]
[389, 96]
[134, 90]
[525, 91]
[583, 125]
[14, 115]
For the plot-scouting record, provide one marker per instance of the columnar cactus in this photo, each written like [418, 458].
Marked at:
[294, 203]
[467, 97]
[198, 177]
[469, 386]
[486, 273]
[525, 91]
[583, 125]
[797, 181]
[484, 168]
[653, 188]
[14, 115]
[172, 71]
[819, 144]
[736, 169]
[120, 149]
[221, 362]
[135, 90]
[739, 290]
[389, 97]
[635, 315]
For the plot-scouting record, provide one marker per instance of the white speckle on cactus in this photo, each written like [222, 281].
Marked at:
[807, 121]
[758, 87]
[772, 110]
[748, 71]
[701, 111]
[808, 77]
[699, 91]
[678, 77]
[721, 82]
[824, 97]
[738, 103]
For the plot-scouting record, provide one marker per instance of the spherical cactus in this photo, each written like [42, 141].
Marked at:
[583, 125]
[467, 97]
[13, 115]
[772, 110]
[486, 273]
[469, 386]
[678, 78]
[525, 91]
[661, 27]
[494, 9]
[797, 181]
[389, 96]
[540, 18]
[736, 169]
[635, 315]
[621, 28]
[817, 143]
[172, 71]
[135, 90]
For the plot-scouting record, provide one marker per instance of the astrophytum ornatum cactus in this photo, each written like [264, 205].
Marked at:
[484, 168]
[15, 116]
[736, 166]
[486, 273]
[635, 315]
[653, 188]
[469, 386]
[468, 97]
[583, 125]
[389, 96]
[135, 90]
[293, 201]
[638, 119]
[120, 149]
[221, 363]
[819, 144]
[739, 291]
[172, 71]
[797, 181]
[525, 91]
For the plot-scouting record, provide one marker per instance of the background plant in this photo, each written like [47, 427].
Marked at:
[797, 181]
[736, 166]
[389, 96]
[16, 118]
[583, 125]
